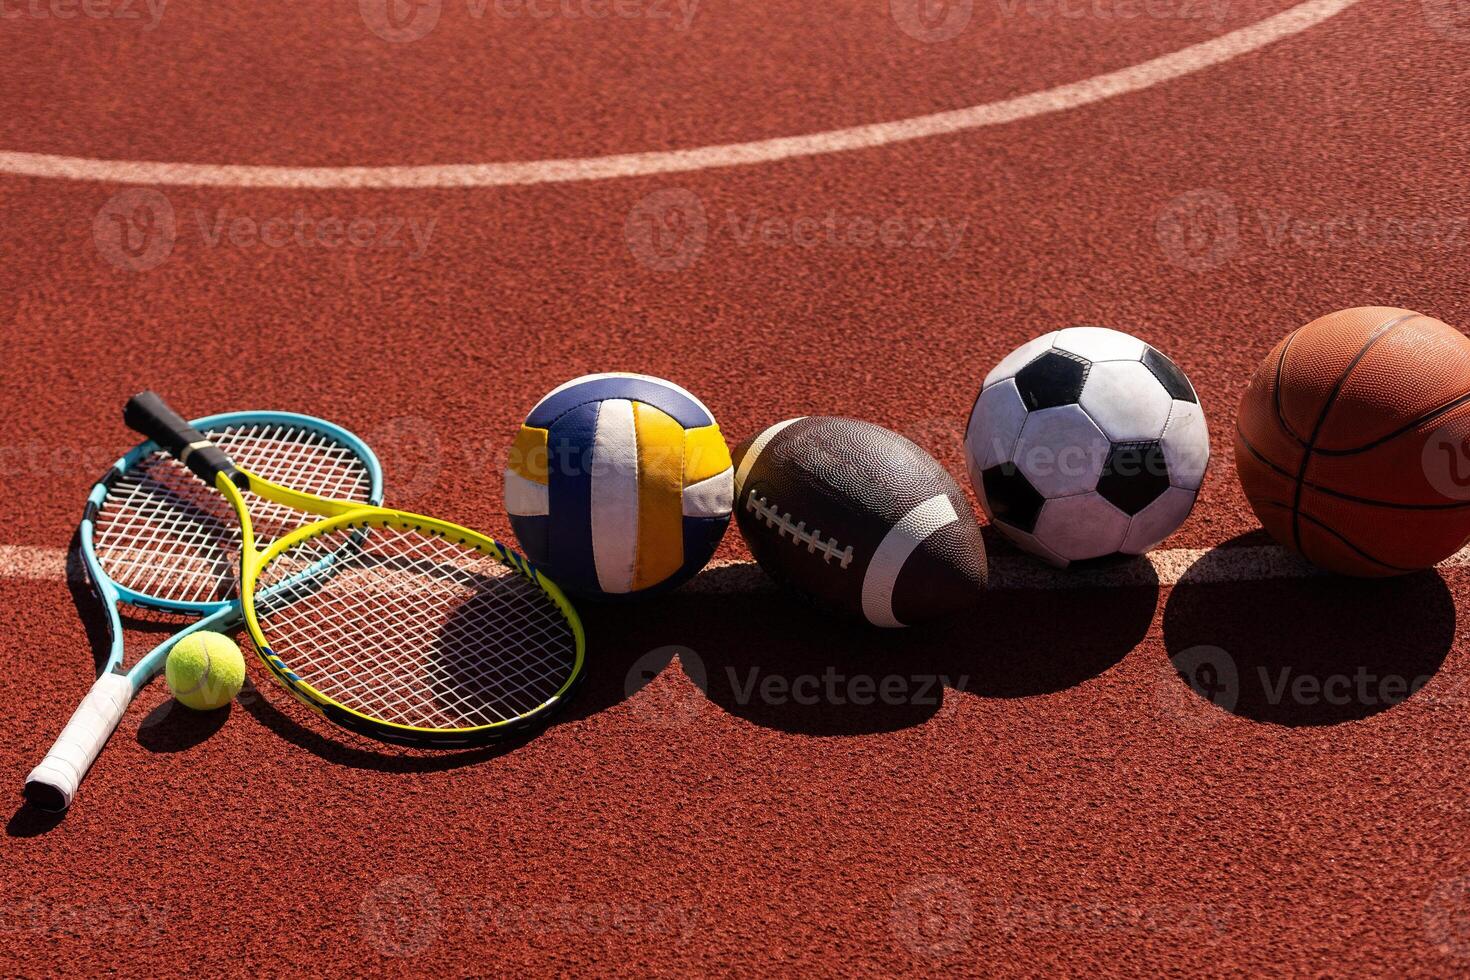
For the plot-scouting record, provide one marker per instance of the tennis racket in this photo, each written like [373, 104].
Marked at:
[404, 628]
[155, 537]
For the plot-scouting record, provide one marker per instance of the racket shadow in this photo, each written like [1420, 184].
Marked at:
[356, 752]
[29, 821]
[91, 609]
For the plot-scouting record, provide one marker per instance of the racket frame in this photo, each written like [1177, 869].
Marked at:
[341, 515]
[53, 784]
[149, 414]
[224, 613]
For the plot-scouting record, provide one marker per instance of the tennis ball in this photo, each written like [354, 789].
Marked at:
[205, 670]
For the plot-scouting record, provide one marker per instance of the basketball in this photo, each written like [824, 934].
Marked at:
[1353, 441]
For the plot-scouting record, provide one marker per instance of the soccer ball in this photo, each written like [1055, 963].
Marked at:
[1085, 443]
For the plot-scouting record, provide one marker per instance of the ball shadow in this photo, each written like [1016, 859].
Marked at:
[1040, 641]
[766, 656]
[171, 727]
[1309, 648]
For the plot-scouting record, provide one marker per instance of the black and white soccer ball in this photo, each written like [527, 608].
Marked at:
[859, 519]
[1085, 443]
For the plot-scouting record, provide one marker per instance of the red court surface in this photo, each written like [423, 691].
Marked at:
[701, 192]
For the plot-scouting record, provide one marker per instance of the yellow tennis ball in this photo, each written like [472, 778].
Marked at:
[205, 670]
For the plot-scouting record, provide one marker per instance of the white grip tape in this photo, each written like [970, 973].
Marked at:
[84, 735]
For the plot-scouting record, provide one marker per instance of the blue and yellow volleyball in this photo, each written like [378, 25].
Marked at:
[619, 485]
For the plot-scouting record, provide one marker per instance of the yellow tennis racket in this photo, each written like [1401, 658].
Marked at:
[404, 628]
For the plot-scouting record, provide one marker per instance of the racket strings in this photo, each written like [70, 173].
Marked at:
[162, 532]
[413, 629]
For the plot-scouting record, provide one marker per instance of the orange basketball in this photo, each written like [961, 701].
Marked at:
[1353, 441]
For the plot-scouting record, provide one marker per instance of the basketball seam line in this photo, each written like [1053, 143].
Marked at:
[1329, 530]
[1427, 417]
[1381, 331]
[1386, 504]
[1354, 547]
[1276, 390]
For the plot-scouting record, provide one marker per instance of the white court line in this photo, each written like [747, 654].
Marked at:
[1135, 78]
[1257, 563]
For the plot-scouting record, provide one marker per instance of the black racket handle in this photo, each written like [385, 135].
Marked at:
[148, 414]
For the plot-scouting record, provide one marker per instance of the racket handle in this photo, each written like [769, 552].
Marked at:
[53, 783]
[150, 415]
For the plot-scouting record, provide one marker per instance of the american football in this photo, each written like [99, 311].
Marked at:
[858, 518]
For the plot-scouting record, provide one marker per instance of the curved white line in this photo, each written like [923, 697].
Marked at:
[1135, 78]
